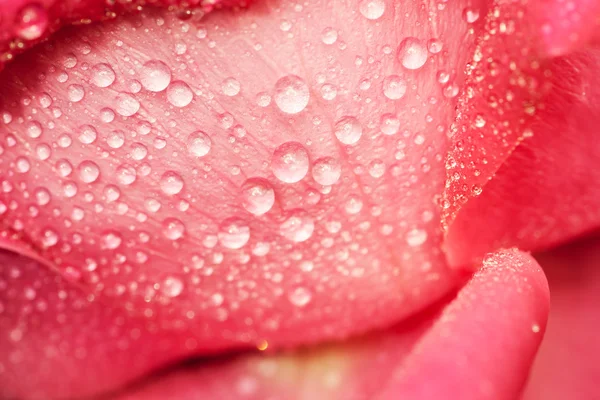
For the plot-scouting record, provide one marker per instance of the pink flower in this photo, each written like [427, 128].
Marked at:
[316, 180]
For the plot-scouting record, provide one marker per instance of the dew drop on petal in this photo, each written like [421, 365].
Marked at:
[88, 171]
[412, 53]
[173, 229]
[389, 124]
[372, 9]
[298, 226]
[179, 94]
[230, 87]
[258, 196]
[326, 171]
[155, 76]
[199, 144]
[300, 296]
[394, 87]
[416, 237]
[111, 240]
[234, 233]
[102, 75]
[126, 104]
[171, 183]
[32, 21]
[290, 162]
[126, 174]
[171, 286]
[348, 130]
[291, 94]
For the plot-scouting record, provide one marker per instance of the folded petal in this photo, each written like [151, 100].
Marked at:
[485, 341]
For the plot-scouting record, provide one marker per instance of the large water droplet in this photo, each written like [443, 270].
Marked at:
[179, 94]
[234, 233]
[87, 134]
[126, 174]
[102, 75]
[171, 183]
[412, 53]
[348, 130]
[173, 228]
[290, 162]
[298, 226]
[75, 93]
[258, 196]
[111, 240]
[88, 171]
[326, 171]
[291, 94]
[199, 144]
[155, 76]
[372, 9]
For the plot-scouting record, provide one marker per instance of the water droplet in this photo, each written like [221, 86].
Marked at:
[326, 171]
[173, 228]
[171, 183]
[231, 87]
[291, 94]
[155, 76]
[88, 171]
[258, 196]
[111, 240]
[353, 205]
[179, 94]
[394, 87]
[126, 104]
[329, 35]
[290, 162]
[138, 151]
[115, 139]
[87, 134]
[34, 129]
[300, 297]
[199, 144]
[390, 124]
[470, 15]
[411, 53]
[49, 238]
[32, 22]
[435, 45]
[348, 130]
[126, 174]
[102, 75]
[372, 9]
[75, 93]
[328, 91]
[22, 165]
[171, 286]
[234, 233]
[298, 226]
[416, 237]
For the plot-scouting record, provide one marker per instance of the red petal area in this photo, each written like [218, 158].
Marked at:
[566, 366]
[264, 175]
[543, 194]
[24, 23]
[485, 341]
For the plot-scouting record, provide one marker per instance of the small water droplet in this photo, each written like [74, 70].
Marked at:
[326, 171]
[329, 35]
[291, 94]
[470, 15]
[290, 162]
[173, 228]
[87, 134]
[390, 124]
[435, 45]
[88, 171]
[394, 87]
[179, 94]
[171, 286]
[199, 144]
[230, 87]
[258, 196]
[412, 54]
[416, 237]
[75, 93]
[298, 226]
[234, 233]
[300, 297]
[111, 240]
[102, 75]
[348, 130]
[372, 9]
[171, 183]
[126, 104]
[155, 76]
[126, 174]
